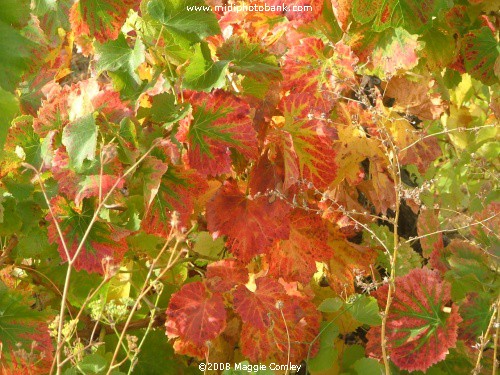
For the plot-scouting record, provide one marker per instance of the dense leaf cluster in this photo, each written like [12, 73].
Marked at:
[182, 186]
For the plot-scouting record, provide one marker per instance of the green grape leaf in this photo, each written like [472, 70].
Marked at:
[368, 366]
[15, 12]
[255, 87]
[9, 106]
[202, 74]
[12, 313]
[249, 59]
[439, 49]
[176, 17]
[80, 139]
[93, 364]
[11, 222]
[481, 53]
[330, 305]
[414, 15]
[164, 109]
[16, 53]
[327, 354]
[476, 313]
[396, 50]
[116, 54]
[34, 244]
[205, 245]
[365, 310]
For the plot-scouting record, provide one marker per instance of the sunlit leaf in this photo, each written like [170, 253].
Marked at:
[196, 315]
[232, 214]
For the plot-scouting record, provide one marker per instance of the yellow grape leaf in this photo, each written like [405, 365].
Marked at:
[347, 258]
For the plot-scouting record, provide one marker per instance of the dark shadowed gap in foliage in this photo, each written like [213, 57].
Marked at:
[407, 178]
[407, 224]
[365, 164]
[357, 336]
[303, 369]
[365, 202]
[357, 239]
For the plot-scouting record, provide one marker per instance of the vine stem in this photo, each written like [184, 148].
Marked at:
[172, 260]
[148, 329]
[70, 259]
[396, 174]
[287, 338]
[494, 321]
[454, 229]
[495, 341]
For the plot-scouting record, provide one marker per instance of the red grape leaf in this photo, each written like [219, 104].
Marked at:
[363, 41]
[183, 347]
[304, 69]
[195, 315]
[104, 240]
[321, 71]
[267, 173]
[489, 218]
[53, 113]
[255, 344]
[307, 142]
[302, 321]
[224, 275]
[250, 224]
[101, 19]
[177, 192]
[364, 11]
[342, 11]
[428, 223]
[481, 54]
[219, 122]
[71, 102]
[108, 102]
[454, 19]
[343, 66]
[467, 261]
[295, 259]
[90, 95]
[420, 327]
[78, 187]
[32, 354]
[259, 308]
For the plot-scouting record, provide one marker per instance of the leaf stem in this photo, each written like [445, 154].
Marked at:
[71, 260]
[396, 175]
[484, 338]
[144, 291]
